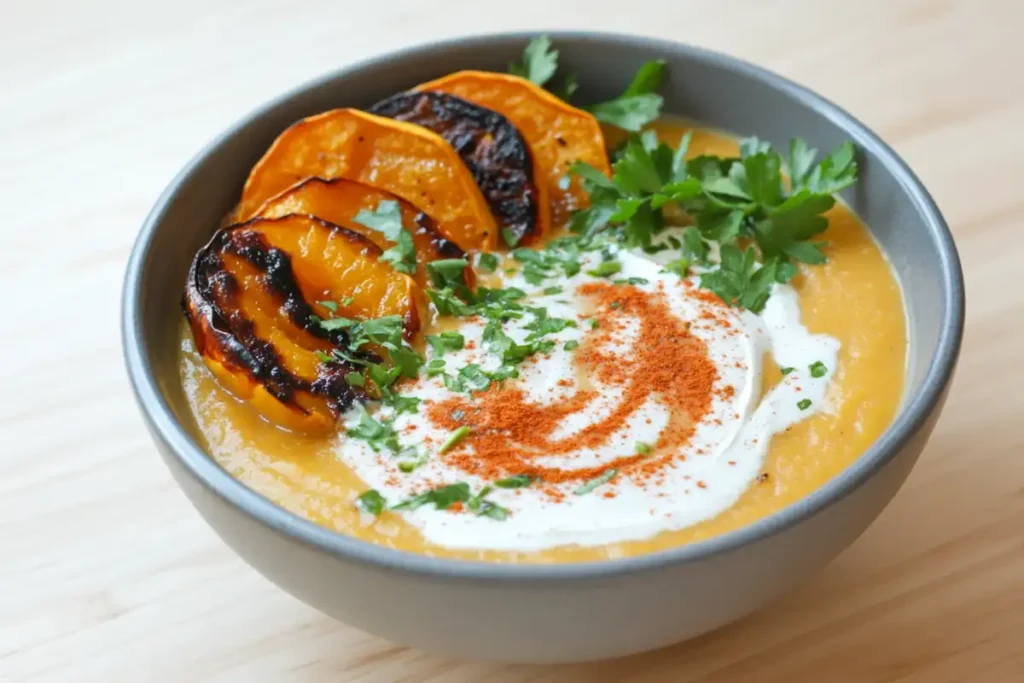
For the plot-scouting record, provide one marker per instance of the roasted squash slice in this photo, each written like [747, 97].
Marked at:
[338, 201]
[402, 158]
[251, 297]
[557, 133]
[493, 150]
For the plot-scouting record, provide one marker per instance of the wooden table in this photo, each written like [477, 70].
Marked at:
[106, 572]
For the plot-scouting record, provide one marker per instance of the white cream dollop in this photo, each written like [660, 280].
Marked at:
[722, 459]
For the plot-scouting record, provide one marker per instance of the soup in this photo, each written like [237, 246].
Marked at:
[583, 395]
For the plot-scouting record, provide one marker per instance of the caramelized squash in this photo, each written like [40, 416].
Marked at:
[338, 201]
[251, 297]
[493, 150]
[402, 158]
[557, 133]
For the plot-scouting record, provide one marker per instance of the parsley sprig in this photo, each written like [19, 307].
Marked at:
[729, 199]
[638, 105]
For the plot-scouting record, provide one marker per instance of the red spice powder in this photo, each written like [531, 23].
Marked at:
[509, 433]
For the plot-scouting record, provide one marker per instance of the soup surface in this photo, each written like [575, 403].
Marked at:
[631, 447]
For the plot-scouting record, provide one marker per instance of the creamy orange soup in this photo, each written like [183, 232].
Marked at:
[853, 298]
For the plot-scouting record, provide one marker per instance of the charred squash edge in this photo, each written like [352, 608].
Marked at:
[251, 356]
[491, 147]
[244, 210]
[443, 248]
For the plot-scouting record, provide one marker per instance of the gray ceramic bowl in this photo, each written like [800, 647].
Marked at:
[567, 612]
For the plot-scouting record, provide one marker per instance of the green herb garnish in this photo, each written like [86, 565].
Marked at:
[331, 306]
[434, 367]
[487, 262]
[786, 371]
[680, 267]
[516, 481]
[605, 268]
[447, 272]
[738, 281]
[638, 104]
[571, 345]
[818, 369]
[454, 438]
[445, 342]
[804, 404]
[442, 498]
[540, 61]
[604, 478]
[387, 220]
[728, 198]
[377, 434]
[643, 448]
[371, 501]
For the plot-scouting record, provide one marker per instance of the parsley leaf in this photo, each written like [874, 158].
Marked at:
[447, 303]
[454, 439]
[516, 481]
[738, 281]
[371, 501]
[447, 272]
[387, 220]
[539, 63]
[487, 262]
[442, 498]
[605, 268]
[470, 378]
[377, 434]
[603, 478]
[638, 104]
[449, 340]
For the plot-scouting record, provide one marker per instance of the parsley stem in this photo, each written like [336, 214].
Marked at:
[454, 438]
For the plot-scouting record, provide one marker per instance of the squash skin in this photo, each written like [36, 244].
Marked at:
[402, 158]
[557, 133]
[338, 200]
[250, 300]
[490, 146]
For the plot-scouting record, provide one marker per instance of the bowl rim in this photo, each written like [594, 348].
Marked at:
[912, 416]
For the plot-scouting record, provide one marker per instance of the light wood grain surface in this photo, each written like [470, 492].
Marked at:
[106, 572]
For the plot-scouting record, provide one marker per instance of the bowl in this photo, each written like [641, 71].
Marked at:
[568, 612]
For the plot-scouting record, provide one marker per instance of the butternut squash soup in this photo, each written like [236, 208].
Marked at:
[479, 322]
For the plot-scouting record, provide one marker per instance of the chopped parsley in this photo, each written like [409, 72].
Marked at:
[387, 220]
[516, 481]
[571, 345]
[818, 369]
[446, 341]
[442, 498]
[605, 268]
[487, 262]
[486, 508]
[331, 306]
[371, 501]
[786, 371]
[680, 267]
[603, 478]
[643, 448]
[454, 438]
[804, 404]
[469, 378]
[447, 272]
[379, 435]
[434, 367]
